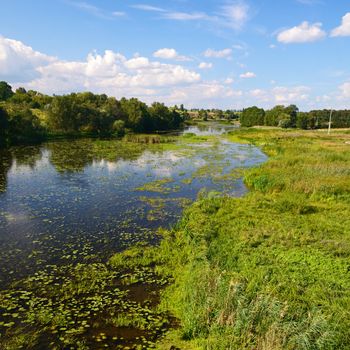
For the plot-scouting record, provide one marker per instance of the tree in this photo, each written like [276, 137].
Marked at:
[5, 91]
[292, 110]
[203, 114]
[252, 116]
[219, 114]
[64, 114]
[274, 116]
[284, 120]
[302, 120]
[137, 115]
[119, 127]
[3, 126]
[163, 118]
[24, 126]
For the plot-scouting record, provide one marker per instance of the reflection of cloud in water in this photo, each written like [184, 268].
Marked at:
[159, 163]
[16, 218]
[19, 168]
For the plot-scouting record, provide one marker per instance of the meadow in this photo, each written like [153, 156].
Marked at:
[266, 271]
[269, 270]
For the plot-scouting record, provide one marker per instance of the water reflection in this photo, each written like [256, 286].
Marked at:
[211, 128]
[69, 201]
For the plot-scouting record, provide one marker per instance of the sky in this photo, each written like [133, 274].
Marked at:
[227, 54]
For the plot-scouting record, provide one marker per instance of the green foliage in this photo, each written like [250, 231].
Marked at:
[252, 116]
[3, 126]
[282, 116]
[5, 91]
[138, 118]
[81, 114]
[340, 119]
[285, 121]
[303, 121]
[64, 114]
[270, 270]
[290, 117]
[119, 127]
[163, 118]
[202, 114]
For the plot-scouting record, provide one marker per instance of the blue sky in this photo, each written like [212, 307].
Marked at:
[226, 54]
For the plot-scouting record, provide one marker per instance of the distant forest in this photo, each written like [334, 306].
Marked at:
[290, 117]
[30, 116]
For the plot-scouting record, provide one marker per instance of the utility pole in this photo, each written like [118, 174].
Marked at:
[330, 122]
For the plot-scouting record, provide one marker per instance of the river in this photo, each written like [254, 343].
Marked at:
[79, 201]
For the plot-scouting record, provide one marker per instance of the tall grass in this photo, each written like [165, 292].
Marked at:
[271, 270]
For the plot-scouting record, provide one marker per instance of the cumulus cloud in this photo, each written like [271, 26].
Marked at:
[210, 93]
[205, 65]
[303, 33]
[18, 62]
[110, 72]
[248, 75]
[225, 53]
[170, 54]
[344, 28]
[344, 91]
[228, 81]
[280, 95]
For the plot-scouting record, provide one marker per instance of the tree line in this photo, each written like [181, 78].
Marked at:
[28, 116]
[291, 117]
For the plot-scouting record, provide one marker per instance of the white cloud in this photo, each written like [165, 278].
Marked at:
[170, 54]
[138, 63]
[225, 53]
[344, 28]
[345, 91]
[309, 2]
[280, 95]
[236, 14]
[110, 73]
[145, 7]
[303, 33]
[18, 61]
[205, 65]
[288, 95]
[228, 81]
[186, 16]
[96, 11]
[248, 75]
[204, 94]
[118, 14]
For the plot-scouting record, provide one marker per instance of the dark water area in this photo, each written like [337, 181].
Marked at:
[82, 200]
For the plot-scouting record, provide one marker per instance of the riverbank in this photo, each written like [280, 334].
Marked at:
[269, 270]
[66, 207]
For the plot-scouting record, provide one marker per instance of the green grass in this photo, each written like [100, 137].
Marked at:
[269, 270]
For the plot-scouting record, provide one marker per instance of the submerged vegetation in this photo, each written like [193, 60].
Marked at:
[80, 202]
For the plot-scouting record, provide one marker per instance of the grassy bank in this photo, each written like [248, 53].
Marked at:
[270, 270]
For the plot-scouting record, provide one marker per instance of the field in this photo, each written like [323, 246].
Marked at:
[269, 270]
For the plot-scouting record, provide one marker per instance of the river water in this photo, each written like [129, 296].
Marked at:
[80, 201]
